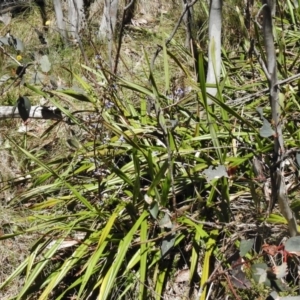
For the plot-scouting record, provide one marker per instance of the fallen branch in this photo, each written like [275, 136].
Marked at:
[263, 92]
[36, 112]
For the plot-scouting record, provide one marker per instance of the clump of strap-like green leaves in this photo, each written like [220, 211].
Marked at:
[149, 189]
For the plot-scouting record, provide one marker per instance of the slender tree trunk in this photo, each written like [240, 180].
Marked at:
[76, 17]
[109, 19]
[107, 26]
[60, 20]
[214, 48]
[279, 189]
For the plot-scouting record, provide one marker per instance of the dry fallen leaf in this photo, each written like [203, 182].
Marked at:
[182, 276]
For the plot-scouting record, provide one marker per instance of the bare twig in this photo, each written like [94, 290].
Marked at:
[121, 36]
[12, 7]
[231, 287]
[285, 156]
[263, 92]
[128, 5]
[169, 39]
[188, 23]
[21, 69]
[10, 56]
[262, 63]
[161, 236]
[210, 224]
[258, 14]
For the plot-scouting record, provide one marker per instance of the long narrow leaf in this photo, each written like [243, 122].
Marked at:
[205, 269]
[109, 280]
[99, 250]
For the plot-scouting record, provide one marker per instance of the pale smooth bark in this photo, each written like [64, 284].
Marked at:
[279, 190]
[76, 17]
[109, 19]
[214, 48]
[60, 20]
[107, 26]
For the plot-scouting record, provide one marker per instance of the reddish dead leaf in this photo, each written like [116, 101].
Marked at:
[270, 249]
[231, 171]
